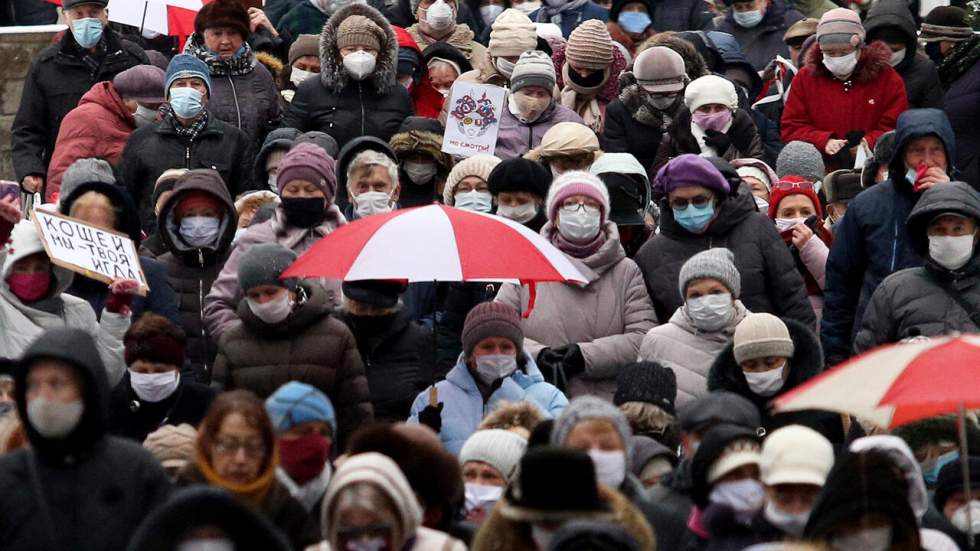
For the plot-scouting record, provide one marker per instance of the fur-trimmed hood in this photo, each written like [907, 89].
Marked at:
[874, 59]
[333, 75]
[426, 142]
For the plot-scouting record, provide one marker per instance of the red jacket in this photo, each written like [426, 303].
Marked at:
[426, 100]
[98, 127]
[820, 108]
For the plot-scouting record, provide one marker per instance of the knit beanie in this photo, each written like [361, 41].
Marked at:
[577, 182]
[295, 403]
[511, 34]
[501, 449]
[660, 69]
[590, 46]
[946, 23]
[514, 175]
[143, 83]
[491, 319]
[647, 382]
[381, 472]
[153, 342]
[565, 138]
[478, 165]
[306, 44]
[186, 66]
[761, 335]
[690, 170]
[311, 163]
[951, 479]
[800, 159]
[534, 68]
[710, 89]
[840, 26]
[85, 171]
[263, 264]
[778, 194]
[753, 172]
[716, 263]
[589, 408]
[222, 13]
[172, 445]
[357, 30]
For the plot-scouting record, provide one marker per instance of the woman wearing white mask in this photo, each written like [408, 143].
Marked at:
[688, 343]
[152, 393]
[519, 188]
[436, 22]
[961, 509]
[288, 334]
[581, 334]
[489, 461]
[939, 298]
[467, 187]
[303, 63]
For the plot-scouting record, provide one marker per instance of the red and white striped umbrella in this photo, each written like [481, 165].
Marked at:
[897, 384]
[170, 17]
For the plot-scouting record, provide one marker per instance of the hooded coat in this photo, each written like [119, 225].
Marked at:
[87, 490]
[821, 107]
[98, 127]
[516, 137]
[280, 139]
[922, 86]
[914, 301]
[346, 108]
[770, 281]
[426, 100]
[190, 271]
[763, 42]
[607, 317]
[425, 141]
[679, 139]
[871, 241]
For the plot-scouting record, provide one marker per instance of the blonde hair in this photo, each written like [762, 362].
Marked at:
[645, 417]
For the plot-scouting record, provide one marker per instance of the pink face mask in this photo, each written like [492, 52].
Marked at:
[29, 287]
[712, 121]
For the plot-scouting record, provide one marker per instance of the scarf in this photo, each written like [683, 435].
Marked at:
[254, 492]
[959, 61]
[554, 14]
[637, 102]
[188, 132]
[242, 63]
[577, 250]
[461, 39]
[584, 100]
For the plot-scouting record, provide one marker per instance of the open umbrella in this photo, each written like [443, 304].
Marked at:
[170, 17]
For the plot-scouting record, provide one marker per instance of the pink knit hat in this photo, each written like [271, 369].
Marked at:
[577, 183]
[840, 26]
[307, 161]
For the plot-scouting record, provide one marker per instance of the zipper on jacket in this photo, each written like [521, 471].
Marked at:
[234, 94]
[187, 155]
[360, 99]
[200, 312]
[894, 246]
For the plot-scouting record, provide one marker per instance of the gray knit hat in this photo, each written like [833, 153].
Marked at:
[501, 449]
[761, 336]
[717, 263]
[534, 68]
[800, 159]
[587, 408]
[263, 264]
[491, 319]
[84, 171]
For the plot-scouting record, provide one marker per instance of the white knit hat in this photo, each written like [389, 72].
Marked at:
[478, 165]
[383, 473]
[761, 335]
[710, 89]
[501, 449]
[796, 455]
[512, 34]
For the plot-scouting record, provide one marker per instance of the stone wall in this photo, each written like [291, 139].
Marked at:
[18, 46]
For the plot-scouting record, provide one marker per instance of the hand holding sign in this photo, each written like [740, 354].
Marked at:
[431, 414]
[121, 292]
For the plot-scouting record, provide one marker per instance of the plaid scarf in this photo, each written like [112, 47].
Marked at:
[189, 132]
[242, 63]
[959, 61]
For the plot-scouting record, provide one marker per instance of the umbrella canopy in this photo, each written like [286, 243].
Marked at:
[897, 384]
[170, 17]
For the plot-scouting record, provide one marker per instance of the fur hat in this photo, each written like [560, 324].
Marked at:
[222, 13]
[501, 449]
[554, 485]
[514, 175]
[761, 335]
[491, 319]
[577, 183]
[715, 263]
[511, 34]
[479, 165]
[842, 185]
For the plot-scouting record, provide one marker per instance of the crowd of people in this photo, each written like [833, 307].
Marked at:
[754, 191]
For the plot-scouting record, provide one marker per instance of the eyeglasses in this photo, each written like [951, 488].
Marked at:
[699, 202]
[230, 446]
[575, 207]
[786, 186]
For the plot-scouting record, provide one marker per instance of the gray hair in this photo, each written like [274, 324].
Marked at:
[367, 159]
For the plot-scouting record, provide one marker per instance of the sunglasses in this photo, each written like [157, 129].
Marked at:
[699, 202]
[786, 186]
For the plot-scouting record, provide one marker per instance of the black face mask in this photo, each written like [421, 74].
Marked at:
[933, 51]
[591, 81]
[304, 212]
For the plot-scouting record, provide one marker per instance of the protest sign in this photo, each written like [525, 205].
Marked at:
[99, 254]
[474, 118]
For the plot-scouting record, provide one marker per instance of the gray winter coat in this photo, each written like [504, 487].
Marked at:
[607, 318]
[762, 43]
[515, 138]
[913, 302]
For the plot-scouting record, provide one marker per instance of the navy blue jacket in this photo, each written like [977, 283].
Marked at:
[572, 18]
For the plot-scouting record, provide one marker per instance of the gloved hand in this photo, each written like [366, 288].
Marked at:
[717, 140]
[9, 216]
[550, 363]
[854, 138]
[431, 416]
[121, 293]
[572, 359]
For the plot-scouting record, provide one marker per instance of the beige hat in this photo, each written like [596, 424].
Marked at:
[478, 165]
[736, 454]
[590, 46]
[796, 455]
[357, 30]
[172, 445]
[801, 29]
[565, 138]
[761, 336]
[512, 34]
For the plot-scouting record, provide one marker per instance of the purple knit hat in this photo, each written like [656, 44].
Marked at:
[307, 161]
[690, 170]
[491, 319]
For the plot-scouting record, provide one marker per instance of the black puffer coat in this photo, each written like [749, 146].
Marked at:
[913, 301]
[346, 108]
[770, 281]
[57, 79]
[922, 84]
[133, 418]
[87, 490]
[678, 139]
[191, 272]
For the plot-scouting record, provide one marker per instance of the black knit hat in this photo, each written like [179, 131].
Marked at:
[222, 13]
[951, 480]
[514, 175]
[946, 23]
[374, 292]
[554, 485]
[646, 382]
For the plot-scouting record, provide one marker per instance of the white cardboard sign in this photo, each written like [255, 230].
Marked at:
[473, 119]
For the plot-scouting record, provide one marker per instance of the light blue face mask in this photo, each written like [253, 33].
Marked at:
[695, 219]
[931, 475]
[186, 102]
[634, 21]
[747, 19]
[87, 32]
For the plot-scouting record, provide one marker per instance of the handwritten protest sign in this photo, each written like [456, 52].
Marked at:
[90, 251]
[474, 118]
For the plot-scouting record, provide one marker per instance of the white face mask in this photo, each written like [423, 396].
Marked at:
[527, 8]
[710, 313]
[478, 201]
[520, 214]
[580, 226]
[783, 224]
[419, 173]
[762, 204]
[492, 367]
[199, 231]
[790, 523]
[610, 467]
[144, 115]
[897, 57]
[297, 76]
[871, 539]
[54, 419]
[951, 252]
[273, 181]
[372, 202]
[765, 383]
[207, 545]
[482, 496]
[154, 387]
[744, 496]
[359, 64]
[274, 310]
[542, 536]
[966, 519]
[490, 13]
[505, 67]
[439, 16]
[841, 66]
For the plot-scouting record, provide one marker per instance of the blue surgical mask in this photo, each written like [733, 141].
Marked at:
[186, 102]
[747, 19]
[87, 32]
[634, 21]
[931, 475]
[695, 219]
